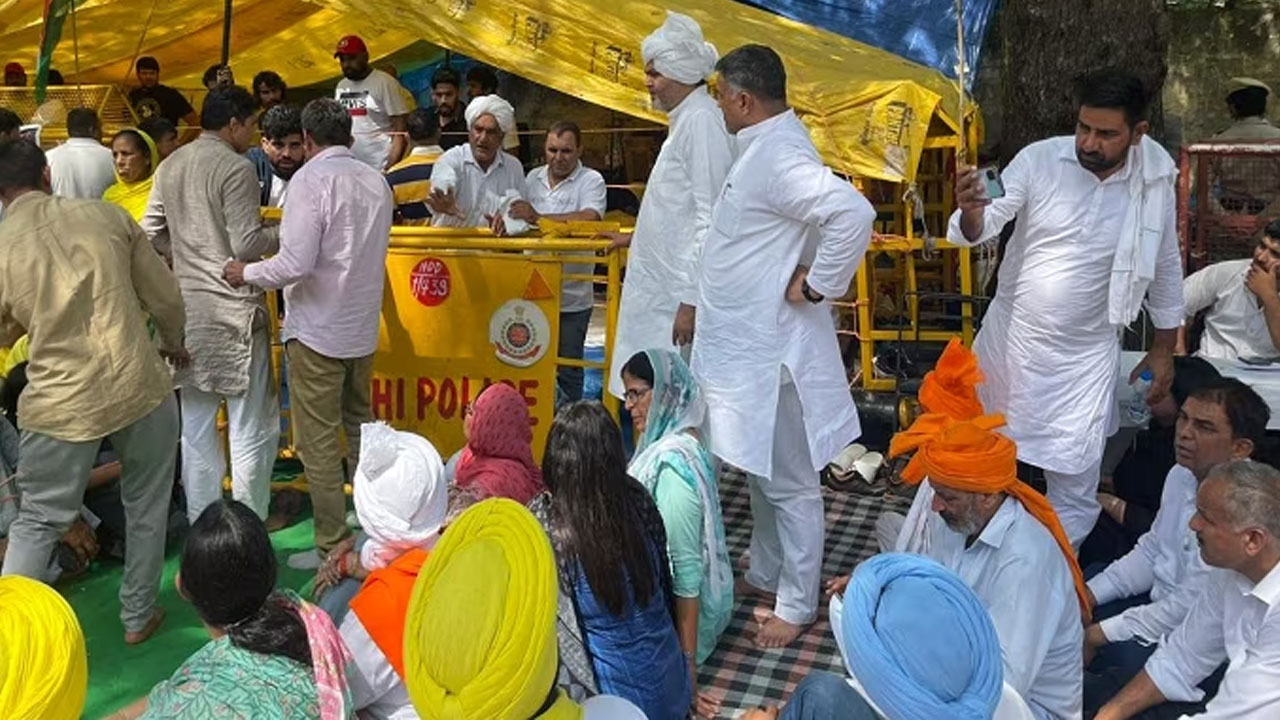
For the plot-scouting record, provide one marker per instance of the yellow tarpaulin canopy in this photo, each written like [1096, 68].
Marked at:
[868, 110]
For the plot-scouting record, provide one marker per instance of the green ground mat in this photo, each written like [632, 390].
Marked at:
[120, 674]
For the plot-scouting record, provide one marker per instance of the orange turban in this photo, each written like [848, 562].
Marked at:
[949, 387]
[969, 457]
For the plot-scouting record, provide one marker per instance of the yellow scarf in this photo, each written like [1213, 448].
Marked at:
[480, 634]
[44, 672]
[133, 196]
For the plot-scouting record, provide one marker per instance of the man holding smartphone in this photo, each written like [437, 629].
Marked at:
[1095, 236]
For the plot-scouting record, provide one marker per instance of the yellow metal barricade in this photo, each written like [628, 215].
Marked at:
[463, 309]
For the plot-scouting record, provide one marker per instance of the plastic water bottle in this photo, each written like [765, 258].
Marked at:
[1135, 407]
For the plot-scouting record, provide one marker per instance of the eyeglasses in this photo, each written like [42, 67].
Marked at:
[633, 396]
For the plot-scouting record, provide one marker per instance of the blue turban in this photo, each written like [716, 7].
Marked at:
[919, 641]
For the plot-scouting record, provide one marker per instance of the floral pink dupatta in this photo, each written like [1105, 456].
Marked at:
[498, 459]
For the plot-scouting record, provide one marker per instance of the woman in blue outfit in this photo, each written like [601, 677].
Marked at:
[611, 548]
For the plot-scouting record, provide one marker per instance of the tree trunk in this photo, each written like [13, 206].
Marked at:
[1048, 43]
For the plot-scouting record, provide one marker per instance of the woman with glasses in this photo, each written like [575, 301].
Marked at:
[673, 463]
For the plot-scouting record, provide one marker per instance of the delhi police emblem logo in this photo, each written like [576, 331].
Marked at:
[520, 333]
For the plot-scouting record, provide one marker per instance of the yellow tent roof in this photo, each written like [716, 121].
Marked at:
[868, 110]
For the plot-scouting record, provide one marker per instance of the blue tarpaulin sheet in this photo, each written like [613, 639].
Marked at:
[920, 30]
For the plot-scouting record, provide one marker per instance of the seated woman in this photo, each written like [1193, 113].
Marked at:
[479, 639]
[44, 672]
[401, 501]
[611, 548]
[498, 458]
[673, 463]
[271, 656]
[136, 159]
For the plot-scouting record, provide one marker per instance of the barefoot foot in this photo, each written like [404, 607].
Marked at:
[776, 633]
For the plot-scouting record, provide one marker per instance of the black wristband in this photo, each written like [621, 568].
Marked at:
[809, 294]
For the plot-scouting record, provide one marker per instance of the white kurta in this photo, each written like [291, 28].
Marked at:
[662, 268]
[780, 207]
[1017, 569]
[1047, 349]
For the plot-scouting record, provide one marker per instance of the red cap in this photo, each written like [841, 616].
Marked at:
[14, 67]
[350, 45]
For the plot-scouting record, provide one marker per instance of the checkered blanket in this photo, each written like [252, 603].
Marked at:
[747, 677]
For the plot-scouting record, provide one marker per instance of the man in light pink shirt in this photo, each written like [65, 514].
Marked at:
[332, 265]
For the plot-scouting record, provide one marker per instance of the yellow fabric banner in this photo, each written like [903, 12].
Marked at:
[868, 110]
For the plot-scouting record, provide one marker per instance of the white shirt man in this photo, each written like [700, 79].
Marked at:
[765, 350]
[1165, 563]
[1236, 617]
[1242, 301]
[1219, 422]
[1235, 620]
[479, 176]
[81, 167]
[1095, 233]
[675, 213]
[1018, 572]
[565, 189]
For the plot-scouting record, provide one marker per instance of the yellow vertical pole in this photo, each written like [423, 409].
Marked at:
[612, 302]
[866, 347]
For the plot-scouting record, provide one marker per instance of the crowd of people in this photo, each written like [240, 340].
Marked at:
[593, 584]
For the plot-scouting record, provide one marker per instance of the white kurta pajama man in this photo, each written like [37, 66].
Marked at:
[662, 268]
[1083, 254]
[779, 402]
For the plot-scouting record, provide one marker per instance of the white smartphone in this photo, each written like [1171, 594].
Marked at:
[991, 182]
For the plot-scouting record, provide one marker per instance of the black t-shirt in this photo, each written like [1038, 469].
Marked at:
[454, 133]
[160, 100]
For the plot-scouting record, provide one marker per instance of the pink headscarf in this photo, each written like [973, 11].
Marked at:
[498, 458]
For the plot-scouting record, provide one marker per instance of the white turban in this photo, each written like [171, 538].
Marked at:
[678, 51]
[400, 493]
[500, 109]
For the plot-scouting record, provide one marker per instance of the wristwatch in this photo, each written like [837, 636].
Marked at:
[809, 294]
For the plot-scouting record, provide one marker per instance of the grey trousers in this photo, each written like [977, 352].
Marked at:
[52, 476]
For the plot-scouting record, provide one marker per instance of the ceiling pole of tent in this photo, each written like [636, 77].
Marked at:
[75, 43]
[226, 32]
[962, 152]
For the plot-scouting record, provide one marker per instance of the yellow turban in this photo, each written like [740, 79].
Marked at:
[44, 673]
[480, 636]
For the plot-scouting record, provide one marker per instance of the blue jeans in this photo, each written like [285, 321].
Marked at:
[573, 341]
[825, 696]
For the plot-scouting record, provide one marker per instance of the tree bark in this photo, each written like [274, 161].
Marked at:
[1048, 43]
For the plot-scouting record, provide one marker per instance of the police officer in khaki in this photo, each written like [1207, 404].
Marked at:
[1247, 185]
